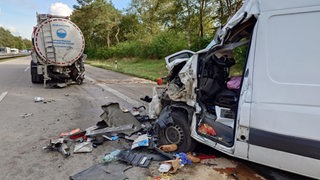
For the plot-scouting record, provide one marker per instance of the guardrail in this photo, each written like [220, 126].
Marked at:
[7, 56]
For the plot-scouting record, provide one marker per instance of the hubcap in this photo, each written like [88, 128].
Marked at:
[174, 134]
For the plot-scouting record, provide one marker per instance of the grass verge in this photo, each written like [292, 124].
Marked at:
[143, 68]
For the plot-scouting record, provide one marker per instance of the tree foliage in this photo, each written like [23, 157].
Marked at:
[98, 21]
[8, 40]
[150, 28]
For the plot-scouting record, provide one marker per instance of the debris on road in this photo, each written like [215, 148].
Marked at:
[38, 99]
[26, 115]
[132, 137]
[3, 95]
[83, 147]
[142, 140]
[165, 167]
[72, 132]
[113, 138]
[110, 171]
[116, 116]
[41, 99]
[118, 129]
[173, 164]
[139, 141]
[169, 147]
[135, 159]
[193, 158]
[204, 156]
[111, 156]
[61, 85]
[58, 144]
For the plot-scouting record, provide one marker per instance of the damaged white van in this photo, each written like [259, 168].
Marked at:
[269, 112]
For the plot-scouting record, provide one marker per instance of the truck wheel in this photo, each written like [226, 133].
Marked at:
[177, 133]
[35, 78]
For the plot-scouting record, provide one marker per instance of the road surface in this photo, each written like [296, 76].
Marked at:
[27, 126]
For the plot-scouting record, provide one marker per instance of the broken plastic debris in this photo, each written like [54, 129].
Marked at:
[70, 133]
[61, 85]
[83, 147]
[169, 147]
[164, 167]
[135, 159]
[112, 138]
[207, 130]
[136, 111]
[110, 130]
[132, 137]
[26, 115]
[142, 140]
[79, 136]
[38, 99]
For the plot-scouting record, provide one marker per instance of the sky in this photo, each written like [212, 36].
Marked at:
[19, 16]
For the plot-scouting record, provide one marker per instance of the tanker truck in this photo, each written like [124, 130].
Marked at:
[57, 56]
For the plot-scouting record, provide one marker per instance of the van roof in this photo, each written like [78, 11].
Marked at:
[255, 7]
[270, 5]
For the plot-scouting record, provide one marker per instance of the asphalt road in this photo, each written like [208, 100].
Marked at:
[27, 126]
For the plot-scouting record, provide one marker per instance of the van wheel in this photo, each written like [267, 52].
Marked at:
[177, 133]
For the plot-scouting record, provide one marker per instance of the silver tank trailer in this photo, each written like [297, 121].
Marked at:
[57, 56]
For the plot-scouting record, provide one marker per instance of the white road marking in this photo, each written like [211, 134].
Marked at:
[115, 92]
[3, 95]
[27, 68]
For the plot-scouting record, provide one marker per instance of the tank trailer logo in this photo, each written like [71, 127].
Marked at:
[61, 33]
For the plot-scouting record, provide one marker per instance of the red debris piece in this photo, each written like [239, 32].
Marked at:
[203, 156]
[70, 133]
[159, 81]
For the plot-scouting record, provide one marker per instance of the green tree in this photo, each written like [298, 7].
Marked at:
[151, 27]
[9, 40]
[97, 19]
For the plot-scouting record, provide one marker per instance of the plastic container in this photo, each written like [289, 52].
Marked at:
[111, 156]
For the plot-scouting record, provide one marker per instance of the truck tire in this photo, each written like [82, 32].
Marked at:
[35, 78]
[177, 133]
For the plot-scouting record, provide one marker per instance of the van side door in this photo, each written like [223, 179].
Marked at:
[285, 115]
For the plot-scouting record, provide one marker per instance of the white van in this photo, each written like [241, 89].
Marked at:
[269, 112]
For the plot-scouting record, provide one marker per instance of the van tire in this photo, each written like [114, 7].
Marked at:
[177, 133]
